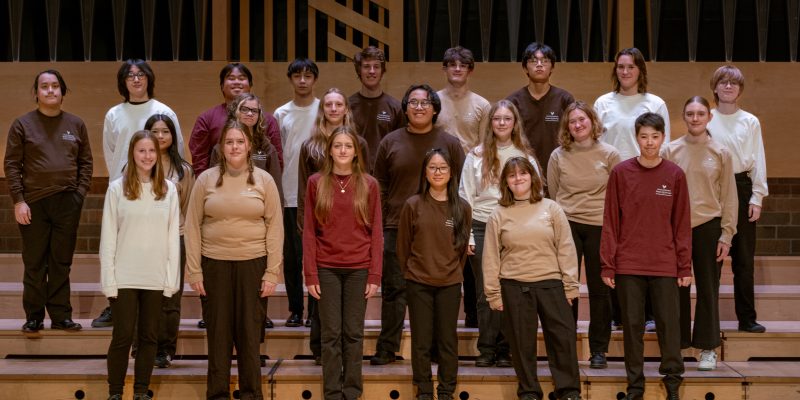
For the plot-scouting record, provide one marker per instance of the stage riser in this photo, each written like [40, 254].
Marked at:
[656, 391]
[768, 391]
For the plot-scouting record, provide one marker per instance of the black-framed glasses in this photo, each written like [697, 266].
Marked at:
[424, 104]
[134, 75]
[248, 110]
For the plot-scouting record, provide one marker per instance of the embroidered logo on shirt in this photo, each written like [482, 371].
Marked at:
[260, 156]
[68, 136]
[710, 163]
[551, 117]
[448, 223]
[546, 219]
[663, 191]
[384, 116]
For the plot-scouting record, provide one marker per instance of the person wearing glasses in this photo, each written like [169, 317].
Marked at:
[740, 131]
[397, 163]
[540, 104]
[432, 240]
[480, 181]
[531, 273]
[577, 175]
[136, 83]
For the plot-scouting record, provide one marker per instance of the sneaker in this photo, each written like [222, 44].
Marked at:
[484, 360]
[598, 360]
[650, 326]
[307, 323]
[503, 361]
[32, 326]
[708, 360]
[201, 324]
[317, 360]
[104, 320]
[753, 327]
[163, 360]
[268, 324]
[382, 357]
[616, 325]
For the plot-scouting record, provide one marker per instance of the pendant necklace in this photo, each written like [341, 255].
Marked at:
[342, 185]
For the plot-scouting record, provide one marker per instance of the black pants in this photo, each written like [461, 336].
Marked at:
[490, 322]
[393, 291]
[341, 312]
[133, 307]
[434, 309]
[632, 291]
[706, 277]
[743, 250]
[48, 243]
[523, 302]
[587, 244]
[171, 315]
[293, 261]
[234, 318]
[315, 336]
[470, 292]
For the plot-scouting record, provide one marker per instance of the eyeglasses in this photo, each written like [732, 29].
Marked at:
[132, 76]
[498, 120]
[432, 169]
[536, 60]
[424, 104]
[728, 83]
[248, 110]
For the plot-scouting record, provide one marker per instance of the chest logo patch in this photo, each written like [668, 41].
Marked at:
[663, 190]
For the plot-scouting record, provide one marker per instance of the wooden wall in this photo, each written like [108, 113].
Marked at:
[772, 91]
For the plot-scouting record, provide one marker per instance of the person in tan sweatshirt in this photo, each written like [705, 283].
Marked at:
[530, 270]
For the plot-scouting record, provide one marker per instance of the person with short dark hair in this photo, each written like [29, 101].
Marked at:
[646, 251]
[541, 105]
[432, 240]
[740, 131]
[531, 273]
[396, 169]
[375, 112]
[296, 119]
[48, 168]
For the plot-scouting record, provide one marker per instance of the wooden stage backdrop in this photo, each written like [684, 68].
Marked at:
[772, 92]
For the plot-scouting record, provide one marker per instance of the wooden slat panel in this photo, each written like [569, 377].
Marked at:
[342, 46]
[605, 26]
[624, 23]
[291, 32]
[653, 26]
[53, 11]
[175, 14]
[148, 25]
[118, 12]
[539, 18]
[454, 12]
[793, 17]
[422, 8]
[269, 17]
[513, 12]
[563, 8]
[585, 11]
[220, 33]
[312, 33]
[395, 40]
[762, 18]
[728, 21]
[244, 30]
[362, 23]
[485, 14]
[692, 26]
[15, 16]
[331, 30]
[87, 22]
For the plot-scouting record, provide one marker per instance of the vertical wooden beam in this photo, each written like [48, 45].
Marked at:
[332, 30]
[513, 11]
[175, 14]
[148, 26]
[563, 8]
[423, 8]
[118, 12]
[485, 15]
[396, 27]
[291, 32]
[454, 12]
[692, 26]
[762, 18]
[382, 21]
[200, 16]
[728, 25]
[793, 17]
[244, 30]
[220, 30]
[585, 11]
[87, 22]
[269, 20]
[653, 25]
[624, 23]
[53, 11]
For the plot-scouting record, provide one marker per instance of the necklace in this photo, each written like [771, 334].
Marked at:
[343, 185]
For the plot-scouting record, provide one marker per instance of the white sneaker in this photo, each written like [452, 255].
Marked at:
[708, 360]
[650, 326]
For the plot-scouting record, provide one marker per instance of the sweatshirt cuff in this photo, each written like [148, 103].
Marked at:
[756, 199]
[496, 303]
[374, 279]
[17, 198]
[685, 271]
[194, 277]
[270, 277]
[110, 291]
[311, 279]
[572, 293]
[726, 238]
[607, 273]
[168, 292]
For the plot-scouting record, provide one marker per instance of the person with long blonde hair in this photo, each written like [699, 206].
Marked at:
[342, 257]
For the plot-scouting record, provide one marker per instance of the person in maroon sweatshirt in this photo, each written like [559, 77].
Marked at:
[646, 250]
[342, 257]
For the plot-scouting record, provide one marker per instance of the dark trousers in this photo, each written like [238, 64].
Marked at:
[470, 292]
[292, 261]
[234, 318]
[706, 277]
[393, 292]
[341, 312]
[171, 315]
[133, 307]
[632, 291]
[743, 250]
[523, 302]
[587, 244]
[434, 309]
[315, 336]
[48, 243]
[490, 322]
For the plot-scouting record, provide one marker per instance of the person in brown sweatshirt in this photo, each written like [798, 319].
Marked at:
[48, 166]
[531, 273]
[432, 240]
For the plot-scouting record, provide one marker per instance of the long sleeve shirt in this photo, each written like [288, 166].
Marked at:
[139, 241]
[342, 241]
[618, 114]
[577, 178]
[709, 176]
[236, 221]
[121, 122]
[296, 125]
[184, 187]
[376, 117]
[646, 222]
[529, 243]
[47, 155]
[740, 132]
[463, 117]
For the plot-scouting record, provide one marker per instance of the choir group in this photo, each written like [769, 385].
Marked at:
[345, 195]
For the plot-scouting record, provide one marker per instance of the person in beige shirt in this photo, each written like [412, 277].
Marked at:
[530, 270]
[714, 204]
[234, 250]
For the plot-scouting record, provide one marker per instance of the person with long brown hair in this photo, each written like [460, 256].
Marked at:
[480, 180]
[577, 175]
[139, 260]
[342, 257]
[234, 242]
[531, 273]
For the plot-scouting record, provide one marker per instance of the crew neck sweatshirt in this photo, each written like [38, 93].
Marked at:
[376, 117]
[618, 114]
[296, 125]
[463, 117]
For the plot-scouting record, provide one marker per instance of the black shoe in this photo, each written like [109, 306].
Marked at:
[268, 324]
[470, 321]
[142, 396]
[425, 396]
[263, 362]
[66, 325]
[754, 327]
[503, 361]
[201, 324]
[444, 396]
[104, 320]
[308, 323]
[294, 320]
[32, 326]
[529, 396]
[616, 325]
[163, 360]
[634, 396]
[575, 396]
[115, 397]
[598, 360]
[484, 360]
[382, 357]
[317, 360]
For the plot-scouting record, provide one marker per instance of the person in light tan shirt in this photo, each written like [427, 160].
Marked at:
[714, 204]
